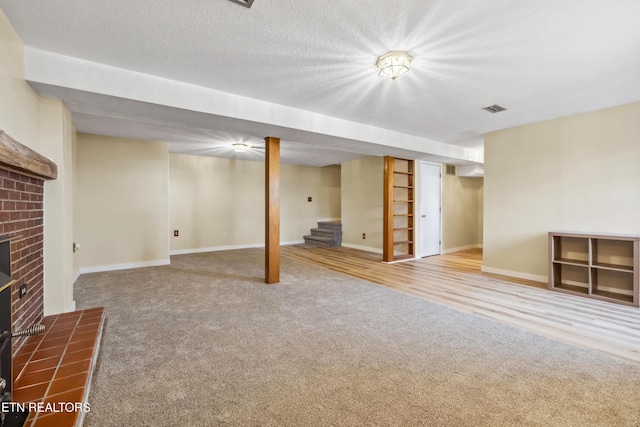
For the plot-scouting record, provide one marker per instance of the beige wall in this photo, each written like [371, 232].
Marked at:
[19, 104]
[218, 203]
[576, 173]
[45, 126]
[461, 212]
[57, 136]
[122, 209]
[297, 183]
[363, 207]
[362, 202]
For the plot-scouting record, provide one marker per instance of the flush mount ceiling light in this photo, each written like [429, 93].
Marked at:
[239, 147]
[243, 147]
[393, 64]
[494, 108]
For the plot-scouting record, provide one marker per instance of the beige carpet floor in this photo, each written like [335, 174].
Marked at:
[204, 342]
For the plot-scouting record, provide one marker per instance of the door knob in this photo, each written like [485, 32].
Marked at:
[424, 216]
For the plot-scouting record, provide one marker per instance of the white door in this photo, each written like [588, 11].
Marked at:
[429, 209]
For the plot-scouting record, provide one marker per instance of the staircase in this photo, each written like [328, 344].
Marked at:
[327, 235]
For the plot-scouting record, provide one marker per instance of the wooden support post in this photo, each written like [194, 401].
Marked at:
[272, 210]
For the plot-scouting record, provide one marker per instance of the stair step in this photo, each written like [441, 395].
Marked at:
[318, 238]
[331, 225]
[320, 241]
[328, 232]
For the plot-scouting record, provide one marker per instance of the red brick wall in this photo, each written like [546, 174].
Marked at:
[21, 213]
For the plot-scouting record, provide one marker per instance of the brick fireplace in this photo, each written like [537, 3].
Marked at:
[21, 221]
[22, 175]
[57, 365]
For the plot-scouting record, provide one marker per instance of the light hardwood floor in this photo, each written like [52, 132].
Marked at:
[455, 280]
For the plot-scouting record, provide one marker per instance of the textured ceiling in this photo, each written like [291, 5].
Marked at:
[539, 59]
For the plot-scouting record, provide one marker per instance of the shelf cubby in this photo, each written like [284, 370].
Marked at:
[615, 254]
[571, 250]
[617, 285]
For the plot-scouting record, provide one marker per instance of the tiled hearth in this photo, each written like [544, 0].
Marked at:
[56, 367]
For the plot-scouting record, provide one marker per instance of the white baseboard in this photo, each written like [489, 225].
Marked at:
[229, 248]
[113, 267]
[215, 249]
[75, 277]
[461, 248]
[330, 219]
[362, 248]
[72, 307]
[517, 274]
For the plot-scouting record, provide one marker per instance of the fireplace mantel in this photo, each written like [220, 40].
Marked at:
[20, 158]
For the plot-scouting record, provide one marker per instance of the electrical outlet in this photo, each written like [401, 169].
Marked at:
[23, 290]
[364, 236]
[176, 233]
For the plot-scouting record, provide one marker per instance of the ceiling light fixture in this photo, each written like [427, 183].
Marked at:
[494, 108]
[239, 147]
[393, 64]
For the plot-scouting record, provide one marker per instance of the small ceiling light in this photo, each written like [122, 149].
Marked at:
[239, 147]
[494, 108]
[393, 64]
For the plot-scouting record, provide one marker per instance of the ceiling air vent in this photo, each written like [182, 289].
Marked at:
[245, 3]
[494, 108]
[451, 169]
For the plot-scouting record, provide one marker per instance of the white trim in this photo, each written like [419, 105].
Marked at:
[75, 277]
[461, 248]
[329, 219]
[72, 307]
[215, 249]
[517, 274]
[362, 248]
[113, 267]
[228, 248]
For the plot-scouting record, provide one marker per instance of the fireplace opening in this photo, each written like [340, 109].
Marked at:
[11, 417]
[6, 281]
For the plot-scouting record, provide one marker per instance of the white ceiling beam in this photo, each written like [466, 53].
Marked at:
[47, 68]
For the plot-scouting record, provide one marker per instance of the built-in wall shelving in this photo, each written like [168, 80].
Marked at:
[398, 236]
